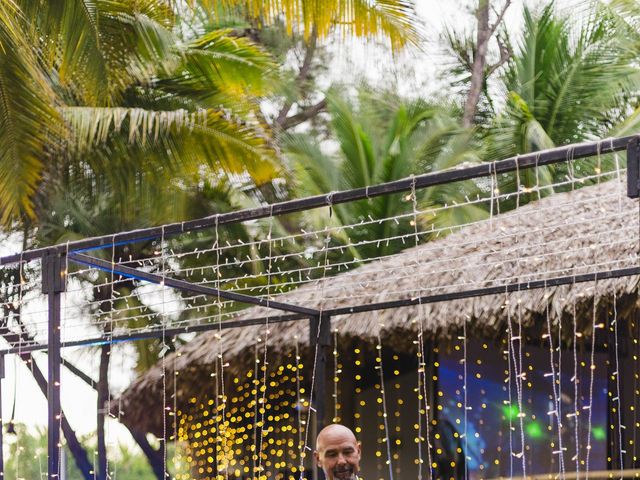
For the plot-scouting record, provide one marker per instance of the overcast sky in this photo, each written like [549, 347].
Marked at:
[425, 72]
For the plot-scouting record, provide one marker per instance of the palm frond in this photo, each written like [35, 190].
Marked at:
[219, 61]
[567, 83]
[395, 20]
[100, 47]
[204, 136]
[356, 145]
[28, 119]
[315, 172]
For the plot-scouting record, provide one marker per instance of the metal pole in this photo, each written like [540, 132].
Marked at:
[360, 308]
[187, 286]
[1, 421]
[53, 286]
[519, 162]
[320, 338]
[633, 169]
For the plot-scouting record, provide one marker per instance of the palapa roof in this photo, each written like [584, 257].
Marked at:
[590, 229]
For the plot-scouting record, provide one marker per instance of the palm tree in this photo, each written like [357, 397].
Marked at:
[393, 20]
[299, 28]
[80, 75]
[566, 83]
[27, 106]
[626, 15]
[382, 140]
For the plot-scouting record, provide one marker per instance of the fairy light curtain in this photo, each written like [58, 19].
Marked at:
[511, 384]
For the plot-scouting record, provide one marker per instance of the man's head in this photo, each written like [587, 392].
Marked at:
[338, 453]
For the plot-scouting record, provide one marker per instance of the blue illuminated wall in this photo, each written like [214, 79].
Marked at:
[495, 427]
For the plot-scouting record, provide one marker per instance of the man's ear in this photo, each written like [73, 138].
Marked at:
[316, 456]
[359, 448]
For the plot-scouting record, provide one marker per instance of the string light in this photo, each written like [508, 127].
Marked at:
[556, 413]
[165, 348]
[383, 400]
[252, 425]
[265, 364]
[576, 395]
[592, 367]
[337, 371]
[617, 399]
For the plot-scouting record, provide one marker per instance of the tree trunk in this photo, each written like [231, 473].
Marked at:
[103, 408]
[303, 75]
[155, 457]
[75, 447]
[479, 62]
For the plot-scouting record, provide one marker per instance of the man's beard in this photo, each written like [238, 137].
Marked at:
[344, 474]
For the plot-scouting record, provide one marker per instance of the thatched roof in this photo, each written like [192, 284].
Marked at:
[589, 229]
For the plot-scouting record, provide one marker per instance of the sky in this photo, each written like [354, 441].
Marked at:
[425, 72]
[417, 72]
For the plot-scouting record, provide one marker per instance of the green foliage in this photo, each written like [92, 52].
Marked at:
[82, 82]
[27, 116]
[565, 84]
[384, 138]
[394, 20]
[27, 458]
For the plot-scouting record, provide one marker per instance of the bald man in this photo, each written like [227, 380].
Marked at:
[338, 453]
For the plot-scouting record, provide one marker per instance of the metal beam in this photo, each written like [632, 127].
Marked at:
[53, 284]
[2, 374]
[633, 169]
[155, 333]
[481, 292]
[186, 286]
[169, 332]
[520, 162]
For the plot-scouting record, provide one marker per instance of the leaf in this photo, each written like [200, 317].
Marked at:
[395, 20]
[209, 136]
[228, 63]
[28, 119]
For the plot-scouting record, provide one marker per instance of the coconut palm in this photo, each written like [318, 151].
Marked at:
[382, 140]
[566, 81]
[80, 76]
[626, 14]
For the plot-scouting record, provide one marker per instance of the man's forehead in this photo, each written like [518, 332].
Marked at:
[335, 437]
[330, 446]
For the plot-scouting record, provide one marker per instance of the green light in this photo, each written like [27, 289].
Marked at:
[534, 430]
[510, 412]
[599, 433]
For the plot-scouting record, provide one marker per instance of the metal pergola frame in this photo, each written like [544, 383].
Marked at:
[54, 260]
